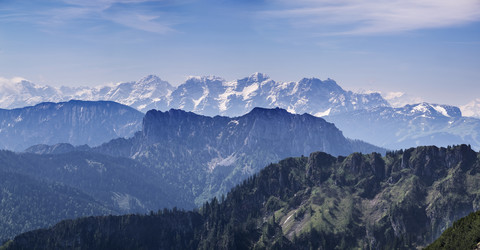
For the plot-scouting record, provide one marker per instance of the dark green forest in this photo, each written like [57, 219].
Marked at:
[464, 234]
[404, 200]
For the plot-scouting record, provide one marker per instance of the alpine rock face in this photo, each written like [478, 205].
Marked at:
[75, 122]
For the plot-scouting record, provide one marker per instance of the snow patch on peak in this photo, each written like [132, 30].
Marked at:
[291, 110]
[248, 91]
[420, 107]
[323, 113]
[199, 100]
[441, 110]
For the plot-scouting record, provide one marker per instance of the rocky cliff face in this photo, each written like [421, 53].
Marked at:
[75, 122]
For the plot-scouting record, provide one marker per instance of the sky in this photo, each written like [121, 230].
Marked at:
[425, 48]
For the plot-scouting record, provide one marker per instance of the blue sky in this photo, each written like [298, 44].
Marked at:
[427, 48]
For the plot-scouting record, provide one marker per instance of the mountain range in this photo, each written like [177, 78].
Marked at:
[75, 122]
[182, 159]
[414, 124]
[206, 95]
[213, 154]
[177, 159]
[403, 200]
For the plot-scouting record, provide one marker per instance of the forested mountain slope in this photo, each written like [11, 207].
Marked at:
[40, 190]
[403, 200]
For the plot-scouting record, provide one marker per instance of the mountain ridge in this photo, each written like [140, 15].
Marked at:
[76, 122]
[403, 200]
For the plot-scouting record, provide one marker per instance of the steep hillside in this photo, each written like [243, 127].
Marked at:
[27, 203]
[75, 122]
[39, 190]
[404, 200]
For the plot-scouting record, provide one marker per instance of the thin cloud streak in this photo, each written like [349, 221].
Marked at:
[375, 16]
[120, 12]
[148, 23]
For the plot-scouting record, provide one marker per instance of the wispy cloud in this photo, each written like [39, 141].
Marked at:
[127, 13]
[140, 21]
[355, 17]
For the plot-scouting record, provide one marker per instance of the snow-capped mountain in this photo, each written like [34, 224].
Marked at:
[207, 95]
[18, 92]
[367, 116]
[148, 93]
[409, 126]
[472, 108]
[213, 95]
